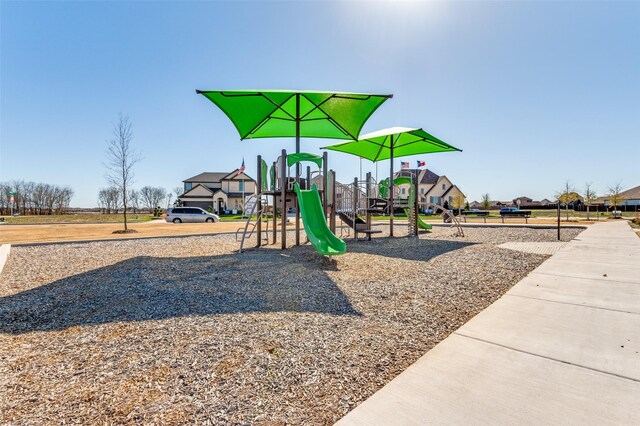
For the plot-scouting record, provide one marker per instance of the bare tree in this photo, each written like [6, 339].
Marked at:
[177, 191]
[5, 189]
[614, 195]
[103, 200]
[588, 196]
[34, 198]
[134, 199]
[152, 196]
[109, 199]
[121, 158]
[486, 201]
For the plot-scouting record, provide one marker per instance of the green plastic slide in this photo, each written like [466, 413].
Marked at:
[421, 223]
[315, 224]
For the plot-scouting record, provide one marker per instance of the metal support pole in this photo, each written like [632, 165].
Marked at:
[355, 207]
[368, 193]
[297, 167]
[308, 177]
[259, 203]
[415, 204]
[558, 220]
[325, 181]
[274, 205]
[391, 188]
[283, 199]
[332, 217]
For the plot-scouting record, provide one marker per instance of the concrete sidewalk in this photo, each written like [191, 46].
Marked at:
[561, 347]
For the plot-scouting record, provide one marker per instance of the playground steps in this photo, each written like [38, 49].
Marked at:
[411, 215]
[378, 205]
[358, 224]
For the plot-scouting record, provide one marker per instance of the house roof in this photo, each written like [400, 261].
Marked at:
[234, 174]
[631, 194]
[186, 193]
[207, 177]
[216, 177]
[428, 177]
[523, 198]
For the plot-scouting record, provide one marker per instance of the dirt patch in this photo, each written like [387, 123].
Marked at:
[14, 234]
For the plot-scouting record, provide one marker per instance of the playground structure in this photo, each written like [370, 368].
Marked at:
[320, 204]
[362, 199]
[331, 115]
[287, 192]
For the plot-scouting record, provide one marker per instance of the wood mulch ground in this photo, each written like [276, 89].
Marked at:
[186, 331]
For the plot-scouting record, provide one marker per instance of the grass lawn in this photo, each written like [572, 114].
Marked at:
[572, 213]
[78, 218]
[234, 218]
[534, 213]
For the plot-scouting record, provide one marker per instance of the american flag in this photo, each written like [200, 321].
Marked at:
[241, 169]
[404, 165]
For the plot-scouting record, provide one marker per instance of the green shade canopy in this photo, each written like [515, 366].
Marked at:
[277, 113]
[393, 143]
[303, 156]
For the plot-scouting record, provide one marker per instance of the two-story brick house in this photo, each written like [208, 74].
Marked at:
[217, 190]
[432, 188]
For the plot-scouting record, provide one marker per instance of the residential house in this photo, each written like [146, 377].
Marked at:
[344, 193]
[218, 191]
[523, 201]
[631, 201]
[432, 188]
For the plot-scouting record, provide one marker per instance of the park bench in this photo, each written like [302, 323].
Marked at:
[480, 213]
[526, 214]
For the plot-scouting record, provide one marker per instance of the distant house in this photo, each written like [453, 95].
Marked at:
[432, 188]
[217, 191]
[631, 199]
[524, 201]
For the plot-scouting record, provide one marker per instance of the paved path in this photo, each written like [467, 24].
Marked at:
[561, 347]
[5, 249]
[535, 247]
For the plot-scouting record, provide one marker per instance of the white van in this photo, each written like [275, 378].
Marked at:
[190, 215]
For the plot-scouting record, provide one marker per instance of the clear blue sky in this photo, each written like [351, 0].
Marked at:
[534, 92]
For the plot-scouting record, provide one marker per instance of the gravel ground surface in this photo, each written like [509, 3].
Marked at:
[185, 331]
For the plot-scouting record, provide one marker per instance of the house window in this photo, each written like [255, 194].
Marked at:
[443, 187]
[402, 191]
[188, 186]
[422, 190]
[241, 186]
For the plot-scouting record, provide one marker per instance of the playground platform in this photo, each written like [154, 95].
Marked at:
[561, 347]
